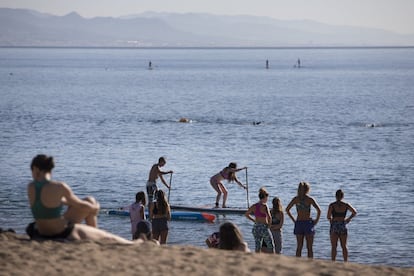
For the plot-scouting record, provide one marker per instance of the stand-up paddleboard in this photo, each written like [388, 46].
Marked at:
[215, 210]
[192, 216]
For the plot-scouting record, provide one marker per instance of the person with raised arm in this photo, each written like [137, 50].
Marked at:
[229, 174]
[154, 174]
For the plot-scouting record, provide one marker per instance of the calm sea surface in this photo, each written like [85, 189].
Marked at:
[106, 119]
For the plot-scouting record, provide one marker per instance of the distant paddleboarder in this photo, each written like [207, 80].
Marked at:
[150, 65]
[267, 64]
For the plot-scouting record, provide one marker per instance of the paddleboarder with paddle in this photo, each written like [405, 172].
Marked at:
[228, 173]
[154, 174]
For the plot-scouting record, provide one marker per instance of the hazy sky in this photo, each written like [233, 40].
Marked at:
[395, 15]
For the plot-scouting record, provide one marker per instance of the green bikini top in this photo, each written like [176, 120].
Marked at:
[301, 206]
[40, 211]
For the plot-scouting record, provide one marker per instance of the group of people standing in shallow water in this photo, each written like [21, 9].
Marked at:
[268, 222]
[47, 199]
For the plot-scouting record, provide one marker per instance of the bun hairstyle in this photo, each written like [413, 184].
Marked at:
[339, 194]
[263, 193]
[233, 165]
[43, 162]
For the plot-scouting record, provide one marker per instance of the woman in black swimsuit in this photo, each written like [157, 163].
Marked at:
[336, 215]
[161, 214]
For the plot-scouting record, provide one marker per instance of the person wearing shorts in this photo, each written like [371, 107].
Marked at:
[304, 224]
[304, 227]
[154, 174]
[337, 217]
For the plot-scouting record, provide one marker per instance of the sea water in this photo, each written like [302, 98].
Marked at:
[345, 119]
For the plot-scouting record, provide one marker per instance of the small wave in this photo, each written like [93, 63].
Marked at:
[376, 125]
[207, 121]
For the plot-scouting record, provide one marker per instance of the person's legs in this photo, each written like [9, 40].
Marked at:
[163, 236]
[214, 184]
[258, 239]
[299, 240]
[334, 243]
[309, 245]
[151, 189]
[156, 235]
[343, 239]
[77, 214]
[277, 238]
[224, 191]
[86, 232]
[268, 239]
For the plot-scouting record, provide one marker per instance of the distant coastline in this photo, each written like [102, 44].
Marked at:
[173, 30]
[211, 48]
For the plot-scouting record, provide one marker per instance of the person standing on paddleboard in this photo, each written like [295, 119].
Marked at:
[228, 173]
[154, 173]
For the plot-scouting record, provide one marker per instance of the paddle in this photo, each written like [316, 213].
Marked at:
[169, 189]
[247, 190]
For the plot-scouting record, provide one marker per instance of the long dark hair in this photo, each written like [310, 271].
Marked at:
[230, 236]
[232, 175]
[277, 206]
[162, 203]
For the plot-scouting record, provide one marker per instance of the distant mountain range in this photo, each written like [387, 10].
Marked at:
[20, 27]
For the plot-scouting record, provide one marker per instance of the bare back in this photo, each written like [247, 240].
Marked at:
[51, 196]
[154, 173]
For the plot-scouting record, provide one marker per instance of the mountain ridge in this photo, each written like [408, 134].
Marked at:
[24, 27]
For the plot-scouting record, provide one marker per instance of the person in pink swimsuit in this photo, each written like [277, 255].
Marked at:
[228, 173]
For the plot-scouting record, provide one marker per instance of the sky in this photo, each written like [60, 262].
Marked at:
[393, 15]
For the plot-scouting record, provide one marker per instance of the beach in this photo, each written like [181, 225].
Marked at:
[21, 256]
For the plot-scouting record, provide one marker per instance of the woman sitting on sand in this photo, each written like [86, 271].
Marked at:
[228, 173]
[231, 238]
[304, 224]
[47, 199]
[161, 214]
[262, 221]
[336, 216]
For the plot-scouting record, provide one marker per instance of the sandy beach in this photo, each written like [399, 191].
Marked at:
[21, 256]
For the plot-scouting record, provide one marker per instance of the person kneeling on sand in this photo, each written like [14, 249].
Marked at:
[47, 199]
[231, 238]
